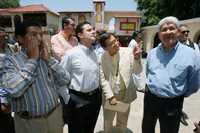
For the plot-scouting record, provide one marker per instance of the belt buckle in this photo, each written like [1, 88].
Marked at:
[90, 93]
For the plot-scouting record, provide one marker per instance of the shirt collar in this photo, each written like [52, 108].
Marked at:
[173, 49]
[86, 49]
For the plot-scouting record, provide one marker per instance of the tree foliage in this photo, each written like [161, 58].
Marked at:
[9, 3]
[154, 10]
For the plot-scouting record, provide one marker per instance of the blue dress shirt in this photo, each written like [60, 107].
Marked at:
[174, 73]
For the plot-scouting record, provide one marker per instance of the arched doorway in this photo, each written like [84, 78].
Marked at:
[197, 37]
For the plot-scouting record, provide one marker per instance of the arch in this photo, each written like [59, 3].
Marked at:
[196, 37]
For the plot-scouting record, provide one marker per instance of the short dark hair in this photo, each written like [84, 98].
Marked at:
[66, 20]
[21, 27]
[135, 33]
[103, 37]
[79, 28]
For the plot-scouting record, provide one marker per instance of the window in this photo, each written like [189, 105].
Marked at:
[5, 21]
[130, 26]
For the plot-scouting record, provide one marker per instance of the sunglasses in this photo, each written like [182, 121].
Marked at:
[185, 31]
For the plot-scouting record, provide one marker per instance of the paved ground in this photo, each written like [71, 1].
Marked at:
[191, 107]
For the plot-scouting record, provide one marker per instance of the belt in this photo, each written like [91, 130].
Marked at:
[148, 92]
[27, 115]
[93, 92]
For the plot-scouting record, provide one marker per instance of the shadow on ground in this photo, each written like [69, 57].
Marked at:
[116, 130]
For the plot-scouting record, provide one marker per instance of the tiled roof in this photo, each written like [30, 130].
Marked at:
[26, 9]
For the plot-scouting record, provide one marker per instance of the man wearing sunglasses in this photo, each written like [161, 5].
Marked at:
[184, 38]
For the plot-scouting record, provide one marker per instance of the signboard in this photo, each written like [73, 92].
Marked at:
[130, 26]
[124, 26]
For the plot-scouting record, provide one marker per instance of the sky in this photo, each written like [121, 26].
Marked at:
[82, 5]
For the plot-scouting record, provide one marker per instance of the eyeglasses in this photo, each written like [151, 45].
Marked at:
[185, 31]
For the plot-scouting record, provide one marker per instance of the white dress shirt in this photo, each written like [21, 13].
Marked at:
[81, 62]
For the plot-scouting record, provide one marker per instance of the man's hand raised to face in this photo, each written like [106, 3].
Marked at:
[32, 47]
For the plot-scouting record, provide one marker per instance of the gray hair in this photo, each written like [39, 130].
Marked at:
[168, 19]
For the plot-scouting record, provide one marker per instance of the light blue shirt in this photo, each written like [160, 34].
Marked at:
[173, 73]
[81, 62]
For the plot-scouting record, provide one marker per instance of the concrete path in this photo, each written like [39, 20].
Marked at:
[191, 107]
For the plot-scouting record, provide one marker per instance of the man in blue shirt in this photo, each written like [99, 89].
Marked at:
[171, 75]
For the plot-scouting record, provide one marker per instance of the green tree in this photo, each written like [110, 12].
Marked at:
[9, 3]
[154, 10]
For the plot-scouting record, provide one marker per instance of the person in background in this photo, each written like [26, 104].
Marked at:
[85, 94]
[137, 42]
[136, 39]
[65, 39]
[184, 38]
[198, 42]
[32, 81]
[169, 79]
[61, 43]
[6, 120]
[197, 127]
[117, 66]
[97, 46]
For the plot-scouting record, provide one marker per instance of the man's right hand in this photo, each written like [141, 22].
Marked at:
[5, 108]
[113, 100]
[33, 47]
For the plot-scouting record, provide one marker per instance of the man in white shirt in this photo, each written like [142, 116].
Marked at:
[85, 95]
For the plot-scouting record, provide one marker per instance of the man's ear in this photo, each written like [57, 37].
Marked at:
[80, 35]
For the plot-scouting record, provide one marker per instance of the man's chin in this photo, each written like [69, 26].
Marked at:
[93, 40]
